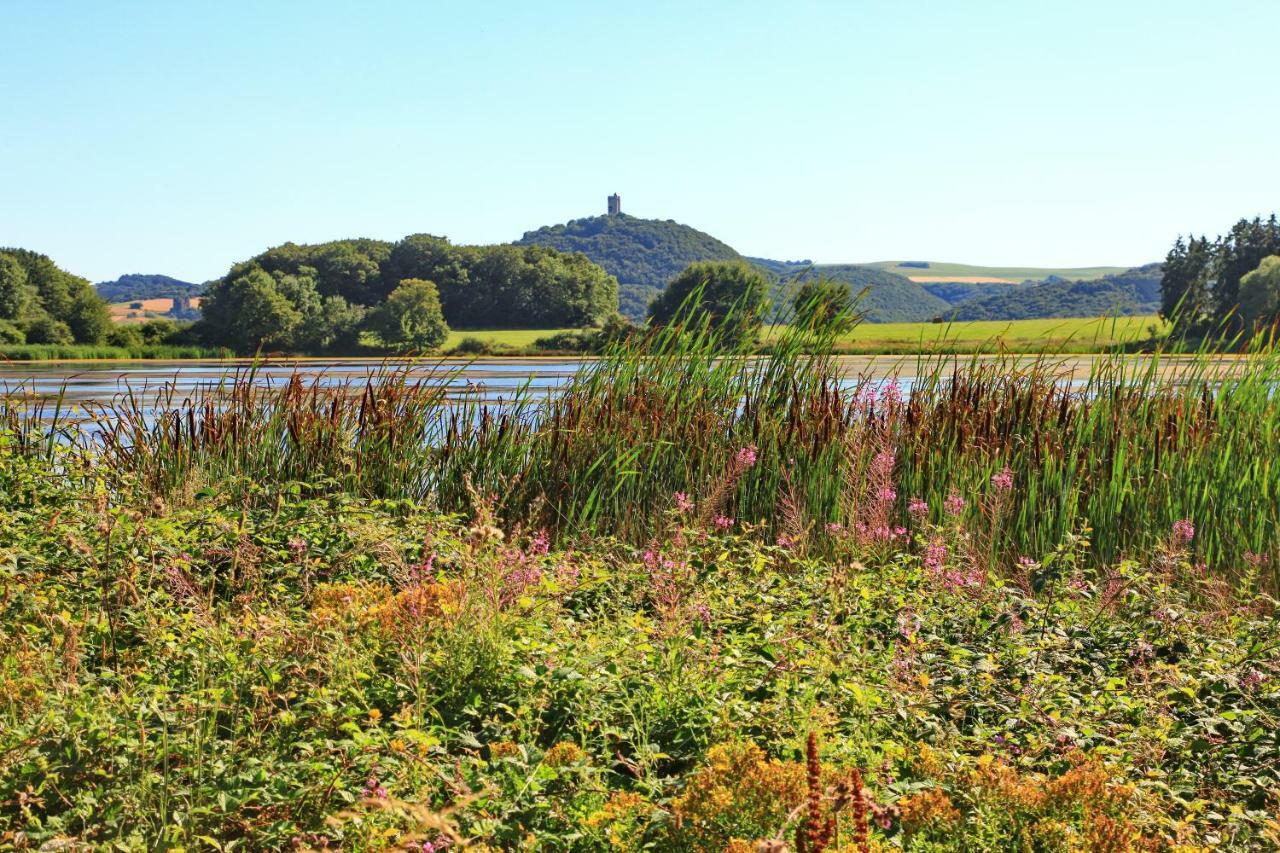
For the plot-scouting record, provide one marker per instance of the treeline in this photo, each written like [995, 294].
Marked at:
[1222, 286]
[323, 296]
[42, 304]
[1130, 293]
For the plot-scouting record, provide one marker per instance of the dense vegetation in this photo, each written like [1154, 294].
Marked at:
[731, 298]
[137, 287]
[1136, 292]
[1200, 291]
[643, 254]
[42, 304]
[695, 602]
[319, 297]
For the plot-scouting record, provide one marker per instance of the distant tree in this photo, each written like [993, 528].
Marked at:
[1200, 290]
[1237, 254]
[249, 312]
[48, 330]
[86, 315]
[825, 304]
[129, 337]
[17, 296]
[11, 334]
[333, 324]
[732, 296]
[411, 317]
[1260, 295]
[157, 331]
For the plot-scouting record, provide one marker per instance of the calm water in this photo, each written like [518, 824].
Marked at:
[102, 381]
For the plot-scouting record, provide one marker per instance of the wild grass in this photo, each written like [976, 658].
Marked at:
[1122, 454]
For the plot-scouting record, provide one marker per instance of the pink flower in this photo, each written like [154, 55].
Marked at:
[1003, 481]
[917, 508]
[682, 502]
[954, 504]
[746, 456]
[723, 522]
[835, 528]
[935, 555]
[540, 544]
[1183, 532]
[887, 494]
[785, 542]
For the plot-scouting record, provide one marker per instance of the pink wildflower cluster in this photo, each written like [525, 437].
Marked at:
[1183, 532]
[519, 568]
[1003, 480]
[373, 790]
[917, 509]
[723, 523]
[954, 504]
[953, 578]
[666, 576]
[683, 503]
[746, 457]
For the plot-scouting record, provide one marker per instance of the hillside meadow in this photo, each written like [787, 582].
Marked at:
[697, 601]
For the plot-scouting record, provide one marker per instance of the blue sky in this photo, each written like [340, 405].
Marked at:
[162, 137]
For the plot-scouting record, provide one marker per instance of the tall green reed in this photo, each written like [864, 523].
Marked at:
[1133, 446]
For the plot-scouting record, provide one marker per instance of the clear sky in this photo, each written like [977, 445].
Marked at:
[180, 137]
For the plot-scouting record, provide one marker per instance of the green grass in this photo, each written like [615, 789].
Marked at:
[1028, 336]
[518, 339]
[1017, 274]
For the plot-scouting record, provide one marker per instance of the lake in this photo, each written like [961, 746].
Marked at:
[88, 382]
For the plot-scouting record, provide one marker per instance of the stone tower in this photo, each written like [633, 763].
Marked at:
[615, 204]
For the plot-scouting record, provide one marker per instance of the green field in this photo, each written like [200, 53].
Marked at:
[1074, 335]
[1079, 335]
[941, 268]
[1052, 334]
[514, 338]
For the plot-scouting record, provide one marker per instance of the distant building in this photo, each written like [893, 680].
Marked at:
[615, 204]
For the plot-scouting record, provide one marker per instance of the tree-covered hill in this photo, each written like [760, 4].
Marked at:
[137, 287]
[643, 254]
[1136, 291]
[889, 298]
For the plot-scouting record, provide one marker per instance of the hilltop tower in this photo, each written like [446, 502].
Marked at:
[615, 204]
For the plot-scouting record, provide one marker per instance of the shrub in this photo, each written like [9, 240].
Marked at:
[125, 336]
[46, 330]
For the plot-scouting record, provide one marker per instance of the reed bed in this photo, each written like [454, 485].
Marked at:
[1027, 455]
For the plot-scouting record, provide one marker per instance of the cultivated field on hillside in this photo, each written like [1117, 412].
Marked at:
[962, 272]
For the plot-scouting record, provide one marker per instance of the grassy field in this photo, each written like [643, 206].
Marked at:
[1016, 274]
[1046, 335]
[1031, 336]
[518, 339]
[695, 602]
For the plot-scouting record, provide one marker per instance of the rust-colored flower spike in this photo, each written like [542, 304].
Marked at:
[860, 840]
[815, 834]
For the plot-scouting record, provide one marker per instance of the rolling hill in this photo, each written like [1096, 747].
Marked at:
[941, 271]
[643, 254]
[137, 287]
